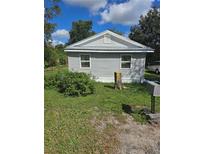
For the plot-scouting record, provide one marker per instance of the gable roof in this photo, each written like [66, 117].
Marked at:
[118, 44]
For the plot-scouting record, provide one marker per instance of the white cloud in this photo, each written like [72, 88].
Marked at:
[60, 37]
[56, 42]
[61, 33]
[127, 13]
[92, 5]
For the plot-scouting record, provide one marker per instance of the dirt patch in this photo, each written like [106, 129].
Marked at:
[105, 122]
[139, 139]
[130, 137]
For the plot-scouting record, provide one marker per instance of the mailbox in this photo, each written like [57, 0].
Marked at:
[153, 88]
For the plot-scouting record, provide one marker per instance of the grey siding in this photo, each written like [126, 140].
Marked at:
[103, 66]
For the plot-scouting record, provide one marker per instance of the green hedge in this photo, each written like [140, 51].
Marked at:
[70, 83]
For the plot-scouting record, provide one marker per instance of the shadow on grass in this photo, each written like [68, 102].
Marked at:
[127, 108]
[138, 114]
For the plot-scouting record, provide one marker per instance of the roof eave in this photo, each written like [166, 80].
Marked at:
[110, 51]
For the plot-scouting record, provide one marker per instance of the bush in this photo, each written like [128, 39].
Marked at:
[51, 81]
[70, 83]
[76, 84]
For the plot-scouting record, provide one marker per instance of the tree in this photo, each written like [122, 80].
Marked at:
[147, 32]
[50, 12]
[50, 57]
[62, 56]
[80, 30]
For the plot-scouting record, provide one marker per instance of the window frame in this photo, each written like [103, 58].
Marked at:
[85, 54]
[125, 61]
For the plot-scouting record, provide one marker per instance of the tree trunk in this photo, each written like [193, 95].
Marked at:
[118, 80]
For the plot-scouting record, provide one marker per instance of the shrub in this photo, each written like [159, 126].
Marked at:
[70, 83]
[76, 84]
[51, 81]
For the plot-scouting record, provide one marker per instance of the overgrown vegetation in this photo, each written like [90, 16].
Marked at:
[70, 83]
[54, 56]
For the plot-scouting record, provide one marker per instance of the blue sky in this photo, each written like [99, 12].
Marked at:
[105, 14]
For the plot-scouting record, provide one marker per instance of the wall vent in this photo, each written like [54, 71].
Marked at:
[107, 39]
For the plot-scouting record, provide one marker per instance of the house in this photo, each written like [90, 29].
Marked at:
[107, 52]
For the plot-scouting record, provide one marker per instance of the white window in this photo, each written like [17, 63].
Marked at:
[85, 61]
[125, 61]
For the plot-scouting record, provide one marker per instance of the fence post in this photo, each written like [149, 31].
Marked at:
[152, 104]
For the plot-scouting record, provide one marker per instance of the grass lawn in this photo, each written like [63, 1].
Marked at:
[68, 127]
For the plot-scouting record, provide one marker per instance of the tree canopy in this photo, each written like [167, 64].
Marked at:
[50, 12]
[147, 32]
[52, 55]
[80, 30]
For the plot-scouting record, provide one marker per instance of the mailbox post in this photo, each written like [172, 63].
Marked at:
[152, 104]
[154, 90]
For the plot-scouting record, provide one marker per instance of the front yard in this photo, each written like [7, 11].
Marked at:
[92, 124]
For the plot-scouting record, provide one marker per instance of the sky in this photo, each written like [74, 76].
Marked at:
[105, 14]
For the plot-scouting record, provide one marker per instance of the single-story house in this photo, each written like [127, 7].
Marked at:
[107, 52]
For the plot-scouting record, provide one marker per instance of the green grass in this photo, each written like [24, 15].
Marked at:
[68, 126]
[151, 76]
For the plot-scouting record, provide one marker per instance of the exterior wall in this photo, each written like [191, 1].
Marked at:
[103, 66]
